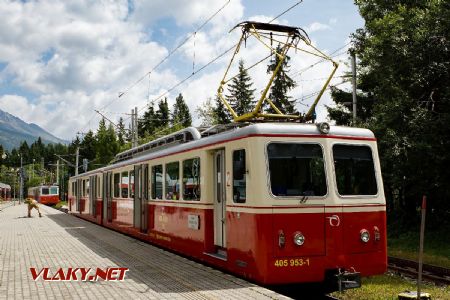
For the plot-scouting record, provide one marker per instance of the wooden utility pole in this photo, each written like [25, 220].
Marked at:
[133, 142]
[352, 53]
[76, 160]
[21, 179]
[136, 136]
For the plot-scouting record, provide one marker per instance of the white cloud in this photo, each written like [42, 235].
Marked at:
[76, 56]
[187, 14]
[316, 26]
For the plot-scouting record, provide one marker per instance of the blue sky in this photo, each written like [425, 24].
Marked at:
[61, 60]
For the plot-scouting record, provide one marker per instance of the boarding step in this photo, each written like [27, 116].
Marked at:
[219, 254]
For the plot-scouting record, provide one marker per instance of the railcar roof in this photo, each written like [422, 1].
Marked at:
[4, 186]
[250, 130]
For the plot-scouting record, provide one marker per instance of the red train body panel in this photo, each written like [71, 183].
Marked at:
[267, 239]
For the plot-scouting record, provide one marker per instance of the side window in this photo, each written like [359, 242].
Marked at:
[87, 188]
[172, 181]
[239, 178]
[191, 179]
[98, 187]
[131, 184]
[83, 192]
[116, 185]
[74, 191]
[157, 182]
[124, 184]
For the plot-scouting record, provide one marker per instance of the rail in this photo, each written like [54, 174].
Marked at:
[436, 274]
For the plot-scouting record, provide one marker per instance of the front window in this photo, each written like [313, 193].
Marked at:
[355, 172]
[45, 191]
[54, 190]
[296, 169]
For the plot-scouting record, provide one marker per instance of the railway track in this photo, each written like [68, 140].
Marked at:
[436, 274]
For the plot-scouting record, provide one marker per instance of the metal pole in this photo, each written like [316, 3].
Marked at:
[422, 231]
[352, 53]
[76, 160]
[21, 179]
[136, 125]
[62, 185]
[133, 143]
[57, 172]
[14, 189]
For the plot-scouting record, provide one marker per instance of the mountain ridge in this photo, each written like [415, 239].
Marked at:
[13, 131]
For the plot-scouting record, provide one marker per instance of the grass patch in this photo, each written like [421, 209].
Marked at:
[388, 286]
[61, 204]
[436, 247]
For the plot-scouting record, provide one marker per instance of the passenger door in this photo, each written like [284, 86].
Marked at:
[219, 199]
[141, 197]
[107, 197]
[143, 183]
[93, 194]
[79, 189]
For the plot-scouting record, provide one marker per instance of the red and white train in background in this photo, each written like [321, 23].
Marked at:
[5, 191]
[276, 203]
[45, 194]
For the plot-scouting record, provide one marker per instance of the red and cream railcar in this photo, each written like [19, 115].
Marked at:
[276, 203]
[5, 192]
[45, 194]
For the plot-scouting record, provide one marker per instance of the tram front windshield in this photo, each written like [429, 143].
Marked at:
[296, 169]
[355, 172]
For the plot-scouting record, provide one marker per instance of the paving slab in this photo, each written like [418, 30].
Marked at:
[58, 240]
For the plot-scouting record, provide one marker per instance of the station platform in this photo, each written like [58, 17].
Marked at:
[61, 241]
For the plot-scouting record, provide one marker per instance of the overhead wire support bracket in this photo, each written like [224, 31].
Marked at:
[293, 35]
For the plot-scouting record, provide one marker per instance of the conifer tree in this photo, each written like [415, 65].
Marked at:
[181, 112]
[240, 95]
[221, 113]
[88, 147]
[162, 114]
[121, 134]
[107, 145]
[149, 122]
[1, 154]
[281, 85]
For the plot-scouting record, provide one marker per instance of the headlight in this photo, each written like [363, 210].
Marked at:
[323, 127]
[299, 239]
[365, 235]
